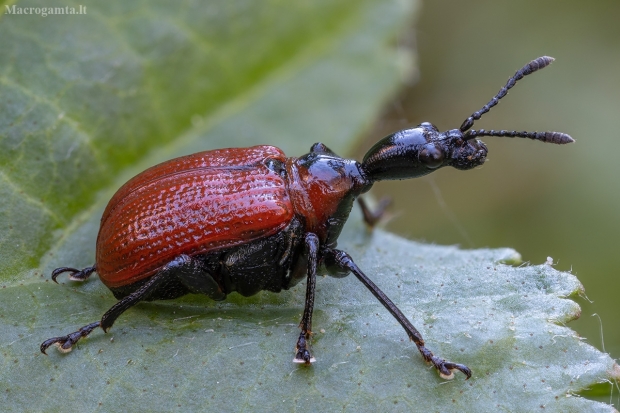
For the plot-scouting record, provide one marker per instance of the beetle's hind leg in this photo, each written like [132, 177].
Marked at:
[65, 343]
[302, 350]
[166, 278]
[344, 262]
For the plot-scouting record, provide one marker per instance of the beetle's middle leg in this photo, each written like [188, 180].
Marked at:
[303, 349]
[342, 262]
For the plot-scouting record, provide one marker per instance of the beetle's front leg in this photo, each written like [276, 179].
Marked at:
[373, 216]
[302, 351]
[342, 261]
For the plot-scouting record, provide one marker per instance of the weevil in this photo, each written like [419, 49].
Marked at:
[252, 219]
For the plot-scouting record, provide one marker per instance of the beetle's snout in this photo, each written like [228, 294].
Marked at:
[469, 155]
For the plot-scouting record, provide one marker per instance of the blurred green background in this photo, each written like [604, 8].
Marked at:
[541, 199]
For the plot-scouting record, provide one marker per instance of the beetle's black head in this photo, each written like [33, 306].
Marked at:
[412, 153]
[416, 152]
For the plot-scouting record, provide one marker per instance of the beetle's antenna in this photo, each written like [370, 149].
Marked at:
[551, 137]
[529, 68]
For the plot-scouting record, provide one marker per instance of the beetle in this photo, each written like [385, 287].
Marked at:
[252, 219]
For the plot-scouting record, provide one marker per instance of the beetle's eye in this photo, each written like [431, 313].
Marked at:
[431, 156]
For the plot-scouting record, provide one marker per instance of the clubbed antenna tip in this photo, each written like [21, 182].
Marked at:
[550, 137]
[558, 138]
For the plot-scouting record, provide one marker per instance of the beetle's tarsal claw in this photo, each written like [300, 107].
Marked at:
[451, 367]
[304, 357]
[64, 344]
[65, 347]
[302, 353]
[74, 273]
[446, 369]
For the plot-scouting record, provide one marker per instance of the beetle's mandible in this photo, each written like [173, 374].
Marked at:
[252, 219]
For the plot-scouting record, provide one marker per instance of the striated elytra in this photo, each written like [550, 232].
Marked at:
[252, 219]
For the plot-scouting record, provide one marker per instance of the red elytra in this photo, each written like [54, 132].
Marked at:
[190, 205]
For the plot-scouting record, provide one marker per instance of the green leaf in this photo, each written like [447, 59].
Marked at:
[88, 101]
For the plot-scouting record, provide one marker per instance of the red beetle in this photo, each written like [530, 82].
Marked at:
[251, 219]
